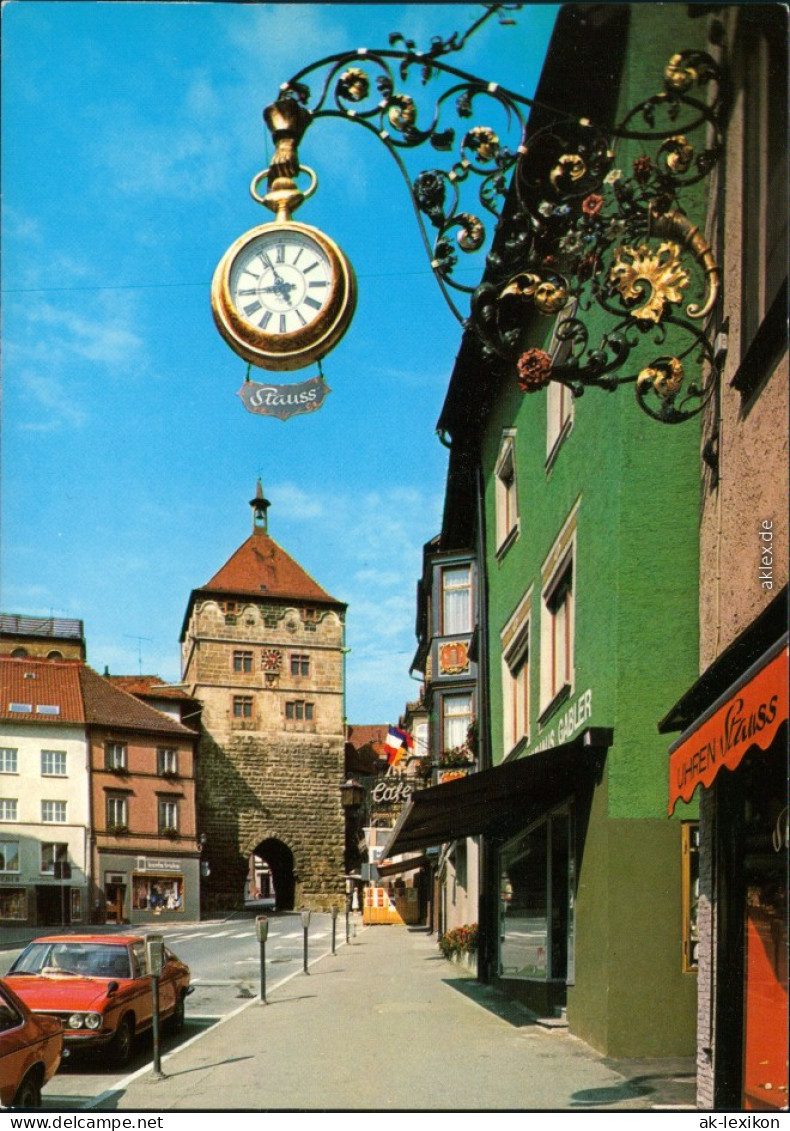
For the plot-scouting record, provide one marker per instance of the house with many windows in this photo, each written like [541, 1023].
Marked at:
[145, 839]
[579, 515]
[45, 859]
[728, 729]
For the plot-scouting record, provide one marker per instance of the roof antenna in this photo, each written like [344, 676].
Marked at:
[139, 640]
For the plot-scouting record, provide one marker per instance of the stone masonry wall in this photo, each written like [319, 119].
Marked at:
[264, 774]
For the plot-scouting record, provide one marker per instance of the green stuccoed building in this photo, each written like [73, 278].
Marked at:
[582, 513]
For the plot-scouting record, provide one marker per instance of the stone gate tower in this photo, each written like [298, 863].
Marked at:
[262, 649]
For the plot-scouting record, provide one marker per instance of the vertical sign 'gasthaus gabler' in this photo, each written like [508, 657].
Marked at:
[283, 293]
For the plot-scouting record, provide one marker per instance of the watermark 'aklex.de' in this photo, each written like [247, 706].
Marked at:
[766, 576]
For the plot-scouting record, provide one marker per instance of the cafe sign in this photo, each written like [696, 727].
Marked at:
[747, 716]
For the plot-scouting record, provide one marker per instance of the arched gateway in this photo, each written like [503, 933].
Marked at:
[262, 649]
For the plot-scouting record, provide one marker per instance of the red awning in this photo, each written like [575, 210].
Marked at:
[747, 715]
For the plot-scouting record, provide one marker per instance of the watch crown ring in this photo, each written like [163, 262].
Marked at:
[308, 192]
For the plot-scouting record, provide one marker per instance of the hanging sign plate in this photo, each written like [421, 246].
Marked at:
[283, 401]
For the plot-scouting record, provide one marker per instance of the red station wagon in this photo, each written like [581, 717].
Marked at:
[100, 988]
[30, 1051]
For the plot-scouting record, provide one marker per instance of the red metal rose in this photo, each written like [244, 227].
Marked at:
[534, 370]
[592, 204]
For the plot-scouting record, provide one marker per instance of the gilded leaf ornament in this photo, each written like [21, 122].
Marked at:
[659, 270]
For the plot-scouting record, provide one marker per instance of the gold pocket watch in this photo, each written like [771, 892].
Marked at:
[284, 293]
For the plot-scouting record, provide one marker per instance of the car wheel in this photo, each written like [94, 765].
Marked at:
[177, 1016]
[29, 1092]
[121, 1047]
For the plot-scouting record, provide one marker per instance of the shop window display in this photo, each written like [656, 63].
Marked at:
[160, 894]
[536, 902]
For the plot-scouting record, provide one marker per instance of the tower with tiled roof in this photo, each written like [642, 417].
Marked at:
[262, 649]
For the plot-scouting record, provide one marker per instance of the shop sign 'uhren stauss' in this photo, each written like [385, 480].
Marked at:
[283, 293]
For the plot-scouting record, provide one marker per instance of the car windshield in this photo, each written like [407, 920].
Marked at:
[88, 960]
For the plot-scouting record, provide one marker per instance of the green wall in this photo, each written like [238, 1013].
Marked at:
[636, 646]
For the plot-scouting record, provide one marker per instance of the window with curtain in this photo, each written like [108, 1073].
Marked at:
[456, 600]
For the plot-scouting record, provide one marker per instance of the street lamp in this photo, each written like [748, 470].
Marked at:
[305, 915]
[352, 794]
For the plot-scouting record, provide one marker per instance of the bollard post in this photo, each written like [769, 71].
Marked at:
[348, 927]
[334, 927]
[155, 954]
[305, 926]
[262, 931]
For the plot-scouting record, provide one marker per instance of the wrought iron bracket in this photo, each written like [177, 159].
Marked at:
[608, 252]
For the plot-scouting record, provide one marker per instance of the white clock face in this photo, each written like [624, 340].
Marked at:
[281, 281]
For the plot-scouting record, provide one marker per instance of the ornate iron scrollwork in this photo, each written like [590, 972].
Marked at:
[582, 232]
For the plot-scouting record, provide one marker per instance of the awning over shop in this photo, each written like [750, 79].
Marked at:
[746, 716]
[499, 800]
[409, 864]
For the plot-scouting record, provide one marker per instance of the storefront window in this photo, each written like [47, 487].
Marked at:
[690, 895]
[13, 903]
[159, 894]
[536, 902]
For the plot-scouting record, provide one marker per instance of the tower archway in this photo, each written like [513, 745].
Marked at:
[279, 860]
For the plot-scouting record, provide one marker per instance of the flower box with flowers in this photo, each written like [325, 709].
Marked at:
[459, 756]
[460, 944]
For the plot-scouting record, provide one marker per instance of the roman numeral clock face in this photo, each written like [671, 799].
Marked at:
[283, 295]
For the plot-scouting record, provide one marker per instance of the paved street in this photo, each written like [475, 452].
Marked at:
[385, 1024]
[224, 959]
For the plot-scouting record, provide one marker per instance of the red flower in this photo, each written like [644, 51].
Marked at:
[592, 204]
[534, 370]
[643, 167]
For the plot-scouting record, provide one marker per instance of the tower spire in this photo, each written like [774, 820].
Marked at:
[260, 506]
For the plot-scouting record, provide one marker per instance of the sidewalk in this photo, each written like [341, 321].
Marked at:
[386, 1024]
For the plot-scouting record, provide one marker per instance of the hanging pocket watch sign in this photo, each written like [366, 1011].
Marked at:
[283, 295]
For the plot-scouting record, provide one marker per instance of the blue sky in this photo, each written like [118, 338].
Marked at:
[130, 134]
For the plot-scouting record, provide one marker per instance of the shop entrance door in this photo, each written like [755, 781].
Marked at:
[765, 1050]
[115, 897]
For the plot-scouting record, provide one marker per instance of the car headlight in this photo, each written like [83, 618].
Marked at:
[75, 1021]
[93, 1021]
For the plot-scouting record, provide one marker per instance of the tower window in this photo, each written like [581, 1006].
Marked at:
[242, 661]
[300, 710]
[300, 665]
[242, 706]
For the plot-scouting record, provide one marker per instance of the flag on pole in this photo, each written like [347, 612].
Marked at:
[397, 742]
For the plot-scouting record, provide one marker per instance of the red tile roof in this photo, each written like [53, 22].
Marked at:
[359, 735]
[106, 705]
[41, 684]
[260, 566]
[149, 685]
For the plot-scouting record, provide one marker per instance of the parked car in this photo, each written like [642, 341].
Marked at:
[100, 988]
[30, 1051]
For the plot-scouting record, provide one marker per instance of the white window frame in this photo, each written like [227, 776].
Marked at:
[4, 869]
[558, 575]
[9, 755]
[54, 759]
[450, 585]
[447, 715]
[559, 398]
[508, 523]
[166, 760]
[60, 853]
[9, 808]
[516, 670]
[119, 804]
[167, 814]
[54, 812]
[115, 755]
